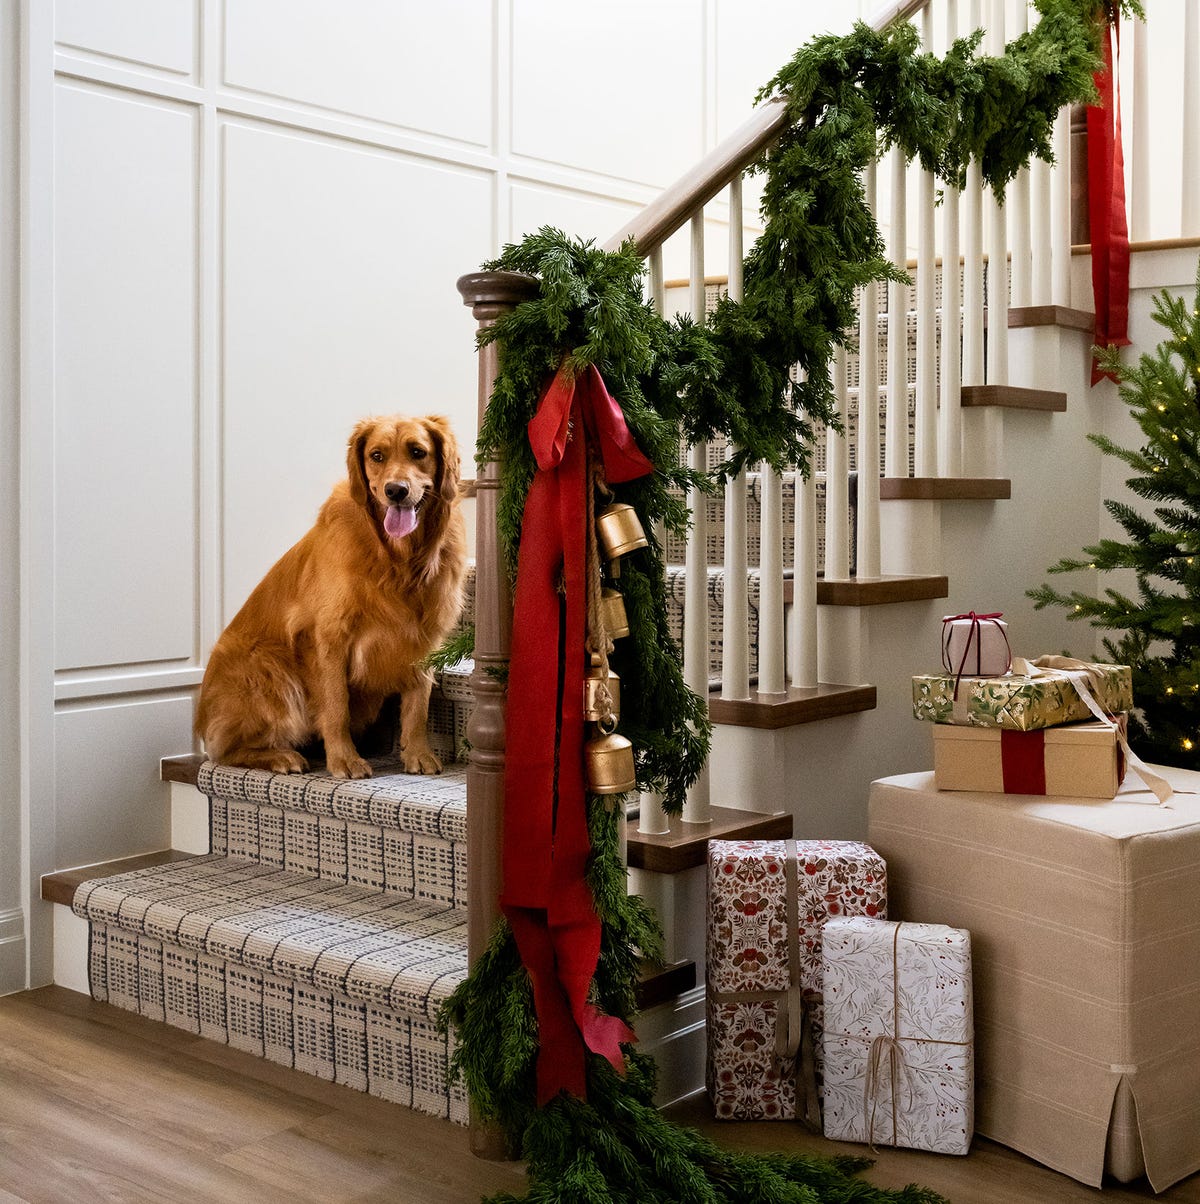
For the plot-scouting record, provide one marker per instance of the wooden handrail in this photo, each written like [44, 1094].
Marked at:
[668, 212]
[663, 216]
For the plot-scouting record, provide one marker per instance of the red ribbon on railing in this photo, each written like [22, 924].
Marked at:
[1106, 204]
[545, 895]
[972, 638]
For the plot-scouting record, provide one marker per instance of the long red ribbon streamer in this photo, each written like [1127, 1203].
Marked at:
[545, 895]
[1106, 205]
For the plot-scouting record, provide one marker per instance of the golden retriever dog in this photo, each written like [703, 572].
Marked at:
[346, 617]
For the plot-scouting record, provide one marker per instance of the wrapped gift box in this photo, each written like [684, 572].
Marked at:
[767, 903]
[1084, 760]
[975, 644]
[1020, 702]
[899, 1053]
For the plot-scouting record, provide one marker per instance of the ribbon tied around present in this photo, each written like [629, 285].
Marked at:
[974, 636]
[1084, 677]
[889, 1048]
[794, 1043]
[544, 894]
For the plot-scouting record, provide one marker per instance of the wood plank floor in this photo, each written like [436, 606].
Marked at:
[97, 1104]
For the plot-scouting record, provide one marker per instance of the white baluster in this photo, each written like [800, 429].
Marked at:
[1190, 200]
[803, 635]
[695, 593]
[837, 482]
[1138, 135]
[950, 409]
[735, 614]
[972, 240]
[1060, 211]
[652, 819]
[925, 455]
[896, 446]
[867, 457]
[771, 658]
[997, 273]
[950, 457]
[1019, 192]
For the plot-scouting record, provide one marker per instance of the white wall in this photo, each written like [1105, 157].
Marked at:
[241, 226]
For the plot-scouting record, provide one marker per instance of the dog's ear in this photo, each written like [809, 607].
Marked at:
[446, 479]
[355, 468]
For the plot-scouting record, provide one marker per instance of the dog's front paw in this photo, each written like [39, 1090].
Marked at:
[348, 767]
[420, 760]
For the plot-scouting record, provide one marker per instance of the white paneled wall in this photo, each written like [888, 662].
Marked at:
[125, 378]
[242, 225]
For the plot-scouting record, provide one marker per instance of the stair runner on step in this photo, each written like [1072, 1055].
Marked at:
[324, 931]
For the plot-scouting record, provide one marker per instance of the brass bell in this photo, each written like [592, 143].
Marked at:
[612, 607]
[592, 681]
[620, 530]
[610, 768]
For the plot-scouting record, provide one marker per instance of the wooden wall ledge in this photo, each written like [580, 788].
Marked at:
[876, 591]
[944, 489]
[686, 845]
[1013, 397]
[769, 712]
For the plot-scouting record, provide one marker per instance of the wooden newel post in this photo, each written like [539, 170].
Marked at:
[490, 295]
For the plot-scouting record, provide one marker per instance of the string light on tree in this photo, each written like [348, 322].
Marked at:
[1154, 632]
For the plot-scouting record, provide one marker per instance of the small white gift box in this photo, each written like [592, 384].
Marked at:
[899, 1037]
[975, 645]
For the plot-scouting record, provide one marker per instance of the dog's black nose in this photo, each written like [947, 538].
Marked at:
[396, 491]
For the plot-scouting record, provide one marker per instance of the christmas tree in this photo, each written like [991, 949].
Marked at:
[1159, 625]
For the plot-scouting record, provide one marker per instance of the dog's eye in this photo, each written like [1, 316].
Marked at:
[417, 452]
[377, 455]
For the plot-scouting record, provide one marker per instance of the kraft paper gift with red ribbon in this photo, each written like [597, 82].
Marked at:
[1079, 760]
[899, 1034]
[544, 893]
[768, 901]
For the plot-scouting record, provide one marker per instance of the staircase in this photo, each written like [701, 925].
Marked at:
[329, 920]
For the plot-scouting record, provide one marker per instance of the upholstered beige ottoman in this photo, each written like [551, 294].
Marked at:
[1085, 931]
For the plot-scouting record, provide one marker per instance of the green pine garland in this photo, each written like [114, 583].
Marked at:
[1160, 627]
[680, 383]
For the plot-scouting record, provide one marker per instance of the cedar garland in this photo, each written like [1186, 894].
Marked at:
[678, 384]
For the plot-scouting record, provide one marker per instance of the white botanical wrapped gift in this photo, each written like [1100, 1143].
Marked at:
[899, 1037]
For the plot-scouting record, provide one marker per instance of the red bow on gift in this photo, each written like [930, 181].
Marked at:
[545, 895]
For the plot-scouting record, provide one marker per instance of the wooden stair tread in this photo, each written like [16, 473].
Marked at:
[656, 983]
[1013, 397]
[769, 712]
[1064, 316]
[944, 489]
[875, 591]
[183, 768]
[60, 886]
[686, 845]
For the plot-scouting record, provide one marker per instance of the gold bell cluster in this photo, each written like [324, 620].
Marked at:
[609, 755]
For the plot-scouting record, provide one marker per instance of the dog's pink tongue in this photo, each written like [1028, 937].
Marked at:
[399, 521]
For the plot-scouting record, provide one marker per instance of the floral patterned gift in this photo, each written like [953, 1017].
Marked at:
[899, 1035]
[767, 903]
[1036, 694]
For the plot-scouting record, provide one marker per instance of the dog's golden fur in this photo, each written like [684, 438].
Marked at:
[344, 619]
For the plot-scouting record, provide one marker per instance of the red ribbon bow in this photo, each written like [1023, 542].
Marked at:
[545, 895]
